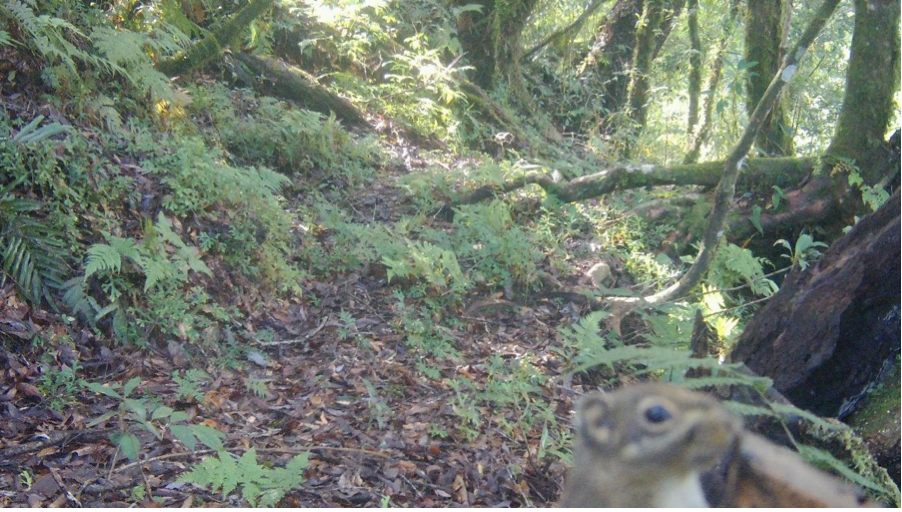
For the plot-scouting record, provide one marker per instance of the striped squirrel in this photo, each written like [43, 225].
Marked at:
[648, 445]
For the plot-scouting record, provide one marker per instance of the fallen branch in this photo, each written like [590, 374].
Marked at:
[763, 174]
[55, 438]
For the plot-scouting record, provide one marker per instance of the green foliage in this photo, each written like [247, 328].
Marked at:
[733, 264]
[500, 251]
[161, 257]
[804, 252]
[379, 410]
[60, 386]
[32, 252]
[190, 385]
[129, 412]
[259, 485]
[66, 51]
[436, 266]
[872, 196]
[271, 132]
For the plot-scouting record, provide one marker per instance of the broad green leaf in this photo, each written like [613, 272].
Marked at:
[131, 385]
[129, 444]
[184, 434]
[104, 417]
[178, 416]
[161, 412]
[137, 407]
[103, 390]
[209, 436]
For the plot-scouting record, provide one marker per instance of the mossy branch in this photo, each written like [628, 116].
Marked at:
[209, 48]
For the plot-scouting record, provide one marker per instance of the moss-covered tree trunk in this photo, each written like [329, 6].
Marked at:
[611, 56]
[608, 65]
[492, 39]
[872, 78]
[871, 81]
[637, 91]
[764, 44]
[695, 67]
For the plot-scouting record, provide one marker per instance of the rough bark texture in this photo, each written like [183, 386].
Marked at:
[871, 80]
[695, 67]
[611, 55]
[697, 137]
[643, 49]
[491, 38]
[763, 44]
[292, 83]
[830, 329]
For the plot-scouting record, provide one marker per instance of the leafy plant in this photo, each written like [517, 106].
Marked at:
[32, 252]
[259, 485]
[804, 252]
[379, 410]
[190, 383]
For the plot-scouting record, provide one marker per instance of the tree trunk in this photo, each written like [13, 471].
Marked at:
[491, 38]
[637, 91]
[826, 335]
[608, 64]
[695, 67]
[871, 80]
[764, 38]
[611, 56]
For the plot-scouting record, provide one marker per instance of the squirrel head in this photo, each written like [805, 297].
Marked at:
[655, 429]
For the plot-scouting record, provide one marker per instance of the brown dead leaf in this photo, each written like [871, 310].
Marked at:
[29, 390]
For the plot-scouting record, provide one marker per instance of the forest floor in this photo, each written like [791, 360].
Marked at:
[349, 392]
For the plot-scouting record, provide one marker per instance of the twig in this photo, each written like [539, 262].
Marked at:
[302, 339]
[54, 438]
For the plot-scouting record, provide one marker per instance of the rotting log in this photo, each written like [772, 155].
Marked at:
[831, 329]
[276, 78]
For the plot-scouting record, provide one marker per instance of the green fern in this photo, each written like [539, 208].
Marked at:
[47, 35]
[32, 252]
[77, 299]
[259, 485]
[102, 258]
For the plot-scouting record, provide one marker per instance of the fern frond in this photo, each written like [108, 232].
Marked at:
[102, 258]
[31, 251]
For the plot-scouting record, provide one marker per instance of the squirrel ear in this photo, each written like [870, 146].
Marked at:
[591, 412]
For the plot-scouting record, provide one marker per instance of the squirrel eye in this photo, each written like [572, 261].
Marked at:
[657, 414]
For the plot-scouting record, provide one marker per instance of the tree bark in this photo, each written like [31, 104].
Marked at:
[695, 67]
[763, 174]
[830, 329]
[871, 81]
[699, 137]
[492, 39]
[764, 36]
[637, 90]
